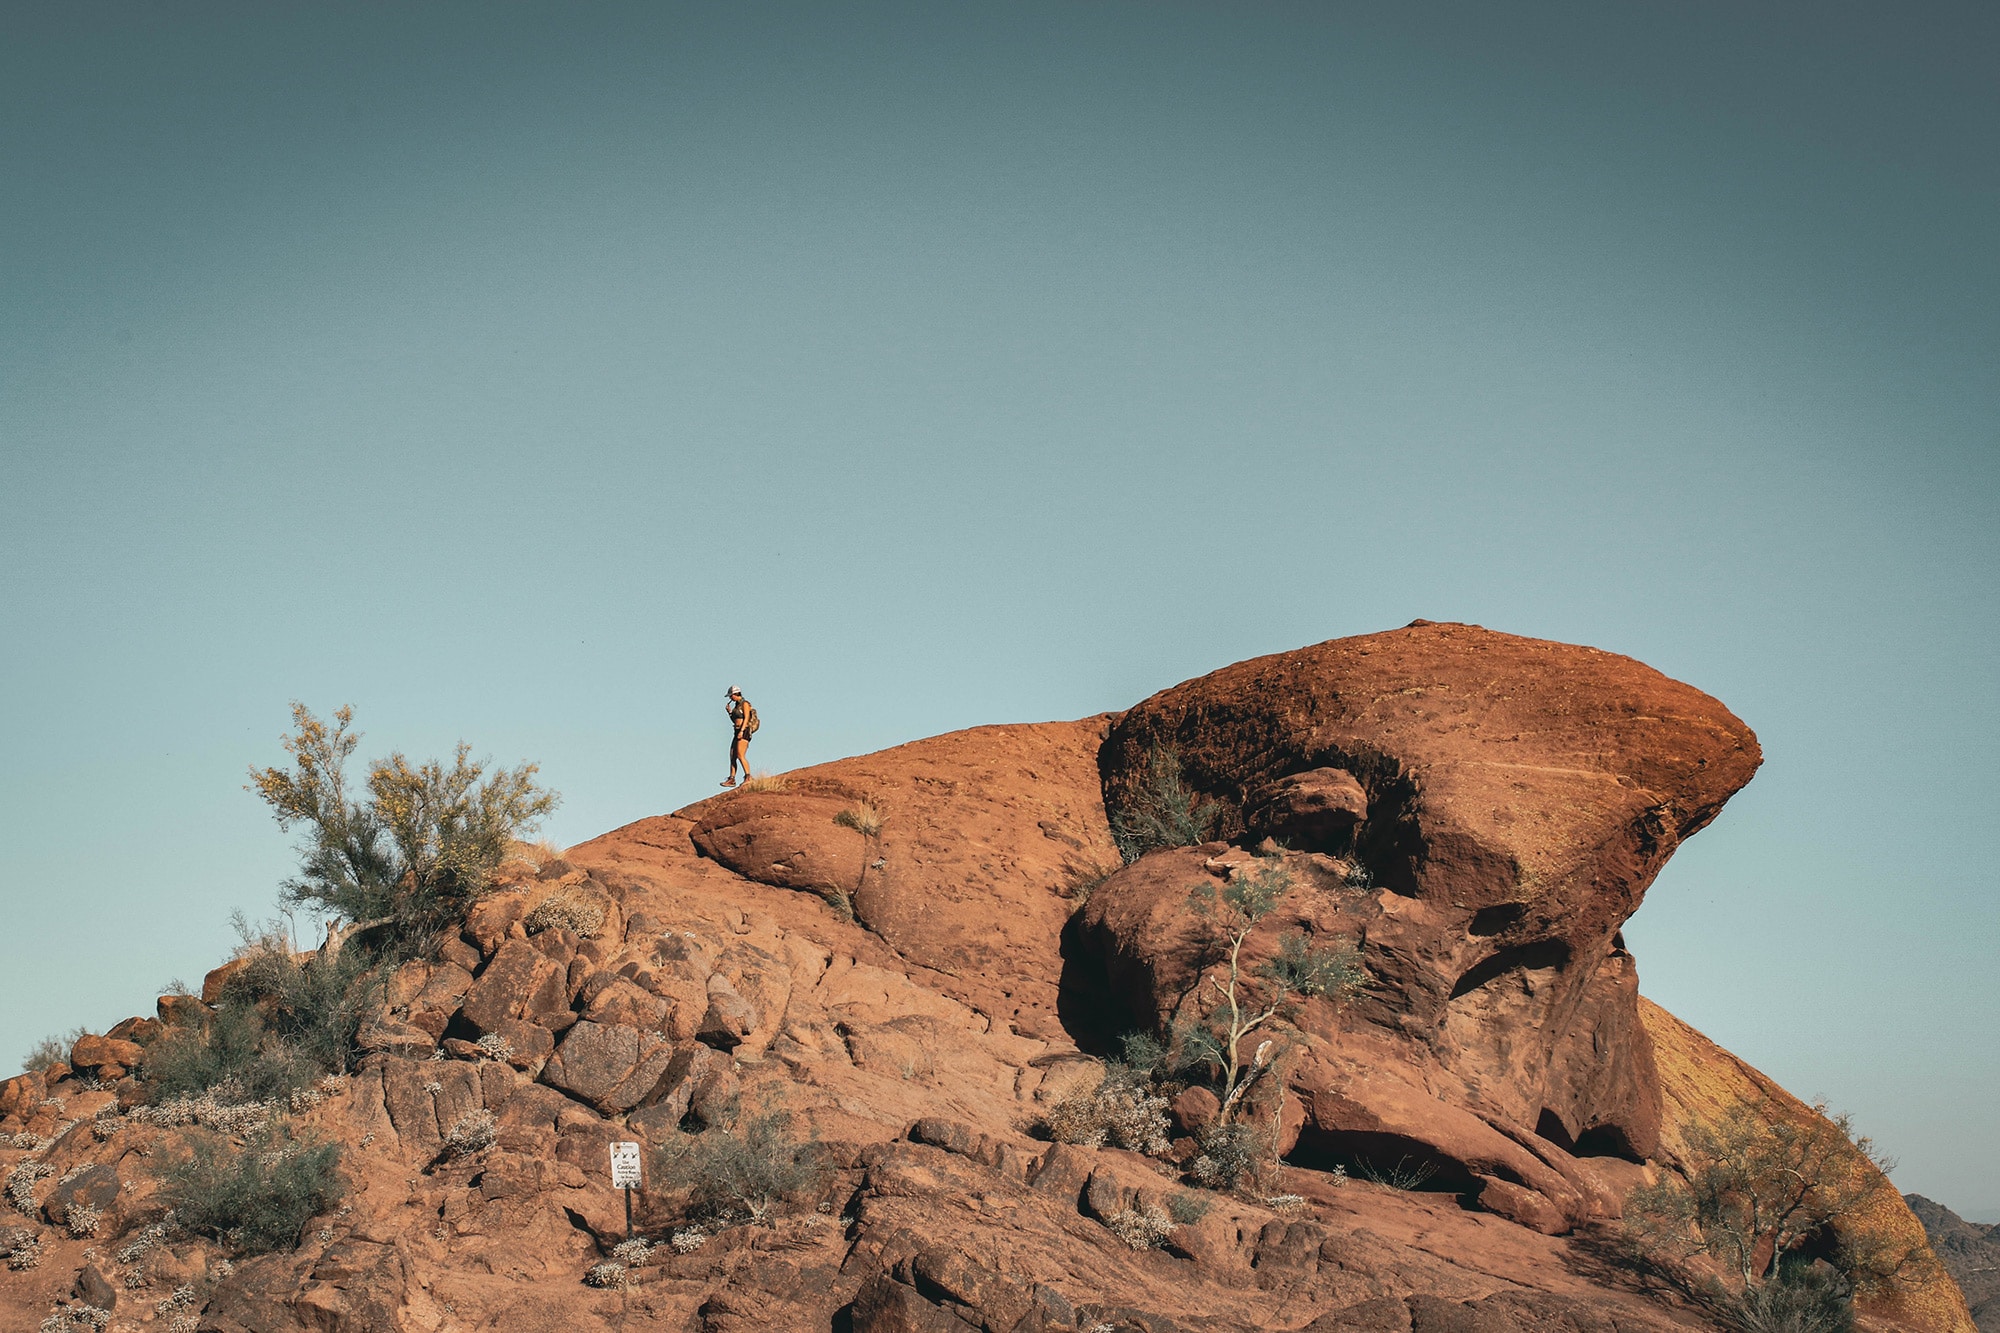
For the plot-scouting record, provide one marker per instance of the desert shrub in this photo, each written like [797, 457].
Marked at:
[862, 817]
[493, 1046]
[50, 1051]
[1804, 1298]
[578, 913]
[633, 1253]
[1162, 811]
[1233, 1155]
[740, 1171]
[21, 1182]
[256, 1197]
[406, 863]
[1186, 1208]
[763, 782]
[235, 1058]
[1141, 1228]
[21, 1248]
[607, 1275]
[1249, 997]
[1758, 1191]
[313, 1003]
[208, 1110]
[1122, 1111]
[471, 1132]
[1084, 880]
[82, 1221]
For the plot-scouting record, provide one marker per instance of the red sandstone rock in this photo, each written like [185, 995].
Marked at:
[918, 1043]
[1516, 796]
[97, 1054]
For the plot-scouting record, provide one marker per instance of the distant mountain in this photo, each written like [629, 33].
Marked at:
[1971, 1251]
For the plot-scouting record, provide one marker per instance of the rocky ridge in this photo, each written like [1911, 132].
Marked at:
[922, 985]
[1971, 1251]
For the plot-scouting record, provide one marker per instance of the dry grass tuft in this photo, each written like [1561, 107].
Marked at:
[578, 913]
[1142, 1229]
[862, 817]
[763, 782]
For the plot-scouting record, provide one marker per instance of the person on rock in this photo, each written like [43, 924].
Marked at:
[743, 719]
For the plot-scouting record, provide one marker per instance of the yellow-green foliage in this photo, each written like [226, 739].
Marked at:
[1700, 1083]
[413, 855]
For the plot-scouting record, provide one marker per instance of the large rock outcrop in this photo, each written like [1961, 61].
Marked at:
[891, 949]
[1512, 799]
[982, 834]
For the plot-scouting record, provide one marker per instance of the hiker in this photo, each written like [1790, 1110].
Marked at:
[742, 717]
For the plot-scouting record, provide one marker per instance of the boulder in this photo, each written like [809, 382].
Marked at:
[621, 1001]
[179, 1010]
[728, 1020]
[611, 1067]
[213, 985]
[1512, 797]
[94, 1188]
[1317, 808]
[985, 833]
[106, 1057]
[139, 1031]
[520, 983]
[21, 1094]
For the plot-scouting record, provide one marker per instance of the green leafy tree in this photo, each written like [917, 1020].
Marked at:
[412, 856]
[1247, 997]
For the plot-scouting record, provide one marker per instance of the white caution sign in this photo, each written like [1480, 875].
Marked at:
[624, 1166]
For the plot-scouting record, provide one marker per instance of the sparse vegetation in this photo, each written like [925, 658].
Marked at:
[1233, 1156]
[1756, 1195]
[1121, 1110]
[763, 782]
[608, 1275]
[82, 1221]
[1186, 1207]
[1250, 997]
[740, 1172]
[469, 1134]
[1163, 811]
[50, 1051]
[255, 1197]
[1083, 880]
[21, 1248]
[283, 1022]
[493, 1046]
[1402, 1176]
[1803, 1298]
[1145, 1228]
[566, 909]
[863, 818]
[21, 1182]
[410, 859]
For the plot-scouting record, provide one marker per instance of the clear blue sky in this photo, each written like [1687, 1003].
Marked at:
[529, 373]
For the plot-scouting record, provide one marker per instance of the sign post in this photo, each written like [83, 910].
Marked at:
[625, 1176]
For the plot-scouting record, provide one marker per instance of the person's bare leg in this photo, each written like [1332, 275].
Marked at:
[741, 755]
[735, 747]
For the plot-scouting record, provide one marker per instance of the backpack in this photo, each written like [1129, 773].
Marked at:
[750, 723]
